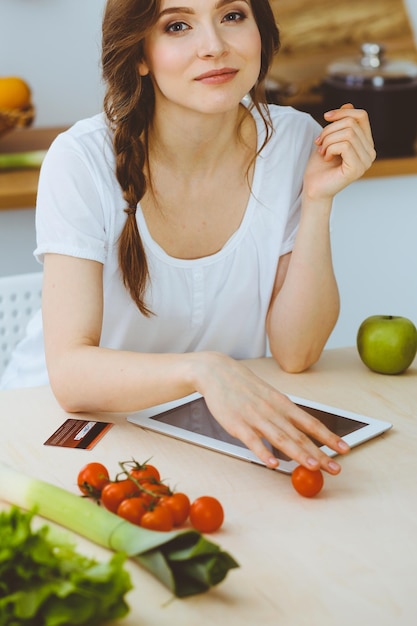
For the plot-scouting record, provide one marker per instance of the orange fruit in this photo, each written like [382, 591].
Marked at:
[14, 93]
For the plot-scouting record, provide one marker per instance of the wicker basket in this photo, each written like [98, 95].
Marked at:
[17, 118]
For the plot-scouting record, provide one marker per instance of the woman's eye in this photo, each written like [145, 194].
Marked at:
[234, 16]
[176, 27]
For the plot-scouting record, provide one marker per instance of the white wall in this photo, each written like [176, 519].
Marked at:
[374, 242]
[55, 46]
[17, 242]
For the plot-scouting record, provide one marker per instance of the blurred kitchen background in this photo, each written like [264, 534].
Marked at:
[55, 46]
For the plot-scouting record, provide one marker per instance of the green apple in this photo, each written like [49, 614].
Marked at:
[387, 344]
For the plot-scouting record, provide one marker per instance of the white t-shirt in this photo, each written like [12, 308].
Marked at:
[218, 302]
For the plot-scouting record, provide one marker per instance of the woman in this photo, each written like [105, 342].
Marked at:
[189, 227]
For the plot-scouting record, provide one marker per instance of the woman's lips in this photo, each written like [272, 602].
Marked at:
[217, 77]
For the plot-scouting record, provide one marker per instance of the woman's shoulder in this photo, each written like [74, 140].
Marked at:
[289, 117]
[86, 132]
[88, 141]
[287, 127]
[94, 124]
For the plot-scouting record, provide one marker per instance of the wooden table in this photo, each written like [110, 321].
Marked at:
[347, 557]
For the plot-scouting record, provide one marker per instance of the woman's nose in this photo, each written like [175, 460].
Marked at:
[212, 43]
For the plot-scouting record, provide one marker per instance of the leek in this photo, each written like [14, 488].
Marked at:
[22, 160]
[183, 560]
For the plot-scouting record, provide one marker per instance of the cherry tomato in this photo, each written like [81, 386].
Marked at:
[307, 482]
[114, 492]
[156, 489]
[92, 478]
[132, 509]
[148, 498]
[206, 514]
[157, 518]
[145, 472]
[179, 504]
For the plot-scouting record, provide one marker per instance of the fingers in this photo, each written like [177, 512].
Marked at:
[348, 111]
[314, 428]
[289, 429]
[355, 156]
[297, 445]
[348, 135]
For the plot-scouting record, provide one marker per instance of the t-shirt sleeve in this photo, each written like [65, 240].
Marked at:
[69, 208]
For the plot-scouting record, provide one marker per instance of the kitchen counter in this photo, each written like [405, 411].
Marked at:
[18, 187]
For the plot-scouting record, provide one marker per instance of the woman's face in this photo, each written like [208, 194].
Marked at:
[203, 55]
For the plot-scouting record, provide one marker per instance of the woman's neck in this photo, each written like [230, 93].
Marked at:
[189, 143]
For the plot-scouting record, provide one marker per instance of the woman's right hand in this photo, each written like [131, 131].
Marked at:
[251, 410]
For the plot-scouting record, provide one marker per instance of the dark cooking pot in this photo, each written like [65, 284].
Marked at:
[386, 89]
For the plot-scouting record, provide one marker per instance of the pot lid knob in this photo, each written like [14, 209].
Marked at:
[372, 55]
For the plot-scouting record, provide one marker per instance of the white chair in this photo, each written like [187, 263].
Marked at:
[20, 298]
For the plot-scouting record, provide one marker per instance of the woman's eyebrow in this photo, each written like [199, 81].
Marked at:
[175, 10]
[189, 10]
[222, 3]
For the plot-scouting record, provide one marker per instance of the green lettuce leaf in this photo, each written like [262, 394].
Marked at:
[45, 582]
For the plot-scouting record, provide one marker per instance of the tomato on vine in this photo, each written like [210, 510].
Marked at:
[158, 489]
[138, 495]
[132, 509]
[92, 478]
[179, 505]
[157, 518]
[307, 483]
[145, 472]
[114, 492]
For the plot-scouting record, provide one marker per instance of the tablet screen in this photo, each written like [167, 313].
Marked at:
[195, 417]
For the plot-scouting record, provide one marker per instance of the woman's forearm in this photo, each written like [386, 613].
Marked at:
[305, 310]
[91, 378]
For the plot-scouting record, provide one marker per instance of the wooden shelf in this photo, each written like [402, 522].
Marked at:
[18, 188]
[393, 167]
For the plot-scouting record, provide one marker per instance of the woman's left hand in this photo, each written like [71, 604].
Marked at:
[345, 150]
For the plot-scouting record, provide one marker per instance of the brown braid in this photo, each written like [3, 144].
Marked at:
[129, 106]
[130, 163]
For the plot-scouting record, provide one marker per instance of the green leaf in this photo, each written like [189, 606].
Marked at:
[188, 564]
[48, 583]
[188, 547]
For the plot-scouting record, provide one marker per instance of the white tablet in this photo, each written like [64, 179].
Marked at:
[190, 420]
